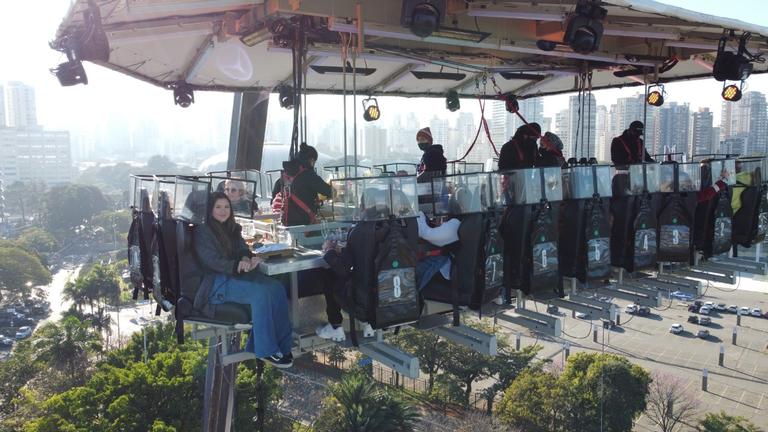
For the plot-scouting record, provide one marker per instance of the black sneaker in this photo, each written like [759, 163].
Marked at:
[279, 360]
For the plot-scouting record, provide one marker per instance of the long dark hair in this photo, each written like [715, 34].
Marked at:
[306, 152]
[224, 231]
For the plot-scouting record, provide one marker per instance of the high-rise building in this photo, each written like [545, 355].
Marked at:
[2, 107]
[503, 124]
[20, 108]
[465, 134]
[562, 130]
[582, 122]
[374, 143]
[673, 121]
[715, 139]
[734, 145]
[747, 117]
[603, 139]
[701, 132]
[35, 154]
[727, 120]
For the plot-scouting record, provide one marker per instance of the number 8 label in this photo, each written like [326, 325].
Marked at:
[396, 283]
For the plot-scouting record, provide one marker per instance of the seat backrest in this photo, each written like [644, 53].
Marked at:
[190, 270]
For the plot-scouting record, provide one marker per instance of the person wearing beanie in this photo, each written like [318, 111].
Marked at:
[550, 153]
[628, 148]
[521, 151]
[433, 162]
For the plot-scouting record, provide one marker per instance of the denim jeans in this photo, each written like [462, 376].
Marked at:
[428, 268]
[271, 332]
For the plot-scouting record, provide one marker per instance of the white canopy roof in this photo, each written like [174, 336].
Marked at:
[227, 45]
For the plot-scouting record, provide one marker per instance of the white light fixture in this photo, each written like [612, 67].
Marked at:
[640, 32]
[523, 14]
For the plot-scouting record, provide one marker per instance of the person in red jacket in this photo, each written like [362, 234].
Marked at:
[711, 191]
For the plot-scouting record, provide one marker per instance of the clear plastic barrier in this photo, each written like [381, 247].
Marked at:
[191, 199]
[637, 185]
[397, 168]
[374, 198]
[579, 181]
[462, 167]
[717, 168]
[142, 193]
[749, 171]
[241, 192]
[163, 199]
[336, 172]
[688, 177]
[461, 194]
[523, 186]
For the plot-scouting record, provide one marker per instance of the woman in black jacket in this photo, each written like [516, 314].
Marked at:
[231, 276]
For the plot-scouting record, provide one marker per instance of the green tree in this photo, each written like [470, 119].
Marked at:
[466, 366]
[337, 355]
[20, 270]
[506, 367]
[357, 404]
[25, 198]
[14, 374]
[530, 402]
[428, 347]
[723, 422]
[66, 347]
[69, 206]
[38, 240]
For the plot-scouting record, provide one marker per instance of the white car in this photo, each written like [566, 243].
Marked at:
[720, 307]
[743, 310]
[756, 312]
[710, 304]
[631, 308]
[24, 332]
[733, 309]
[581, 315]
[705, 310]
[676, 328]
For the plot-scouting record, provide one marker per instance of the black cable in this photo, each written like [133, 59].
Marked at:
[574, 337]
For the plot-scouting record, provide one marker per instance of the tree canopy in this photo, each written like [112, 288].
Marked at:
[72, 205]
[38, 240]
[724, 422]
[20, 270]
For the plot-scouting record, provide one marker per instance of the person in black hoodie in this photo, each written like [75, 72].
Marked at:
[299, 187]
[628, 148]
[521, 151]
[433, 162]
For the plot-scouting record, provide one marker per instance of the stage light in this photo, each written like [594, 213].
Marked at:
[655, 98]
[730, 66]
[585, 28]
[70, 73]
[183, 95]
[422, 17]
[452, 101]
[285, 96]
[731, 93]
[371, 111]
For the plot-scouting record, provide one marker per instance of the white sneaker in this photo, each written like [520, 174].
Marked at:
[368, 331]
[328, 332]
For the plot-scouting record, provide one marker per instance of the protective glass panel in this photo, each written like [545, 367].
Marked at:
[396, 168]
[462, 194]
[749, 171]
[190, 198]
[718, 168]
[579, 181]
[241, 193]
[336, 172]
[374, 198]
[522, 187]
[163, 199]
[637, 185]
[688, 177]
[462, 167]
[142, 193]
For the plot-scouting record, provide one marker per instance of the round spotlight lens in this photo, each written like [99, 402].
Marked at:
[425, 20]
[655, 98]
[584, 40]
[372, 113]
[732, 93]
[452, 102]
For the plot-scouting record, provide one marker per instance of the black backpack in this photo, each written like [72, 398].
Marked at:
[746, 219]
[645, 241]
[140, 235]
[674, 231]
[544, 275]
[722, 228]
[165, 265]
[597, 236]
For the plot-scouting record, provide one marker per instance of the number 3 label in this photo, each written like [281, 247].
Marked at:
[396, 283]
[675, 237]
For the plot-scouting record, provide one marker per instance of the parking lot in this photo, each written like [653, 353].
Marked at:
[739, 387]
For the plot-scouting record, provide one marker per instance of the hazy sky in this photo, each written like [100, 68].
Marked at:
[26, 26]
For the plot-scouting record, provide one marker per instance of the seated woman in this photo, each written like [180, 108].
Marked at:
[230, 276]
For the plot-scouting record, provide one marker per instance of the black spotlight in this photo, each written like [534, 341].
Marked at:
[546, 45]
[731, 93]
[422, 17]
[371, 111]
[452, 101]
[585, 27]
[70, 73]
[730, 66]
[285, 96]
[511, 103]
[183, 95]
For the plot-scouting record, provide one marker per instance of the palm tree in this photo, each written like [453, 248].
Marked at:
[65, 347]
[365, 407]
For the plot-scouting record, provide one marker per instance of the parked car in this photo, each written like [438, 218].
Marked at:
[24, 332]
[705, 310]
[705, 321]
[693, 308]
[720, 307]
[631, 308]
[681, 295]
[676, 328]
[643, 310]
[743, 310]
[553, 310]
[702, 334]
[733, 309]
[756, 312]
[710, 304]
[693, 319]
[5, 341]
[581, 315]
[698, 303]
